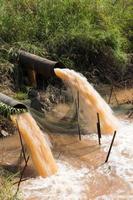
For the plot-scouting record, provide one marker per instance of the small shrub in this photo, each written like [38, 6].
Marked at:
[21, 96]
[76, 32]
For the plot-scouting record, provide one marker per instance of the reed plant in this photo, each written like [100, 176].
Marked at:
[7, 189]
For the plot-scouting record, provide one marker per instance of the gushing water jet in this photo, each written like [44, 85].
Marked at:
[93, 103]
[32, 135]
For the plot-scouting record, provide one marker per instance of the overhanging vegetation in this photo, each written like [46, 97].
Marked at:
[85, 35]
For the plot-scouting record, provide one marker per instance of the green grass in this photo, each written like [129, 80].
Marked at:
[7, 190]
[20, 96]
[80, 33]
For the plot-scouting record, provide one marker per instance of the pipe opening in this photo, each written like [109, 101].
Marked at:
[59, 65]
[20, 106]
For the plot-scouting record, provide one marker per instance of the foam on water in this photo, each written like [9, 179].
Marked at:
[120, 161]
[122, 152]
[71, 183]
[68, 184]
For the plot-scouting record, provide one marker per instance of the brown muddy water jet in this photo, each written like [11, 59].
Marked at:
[34, 139]
[91, 102]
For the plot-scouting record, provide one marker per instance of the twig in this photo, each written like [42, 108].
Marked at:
[59, 154]
[22, 180]
[111, 91]
[110, 147]
[20, 158]
[116, 98]
[22, 174]
[98, 129]
[21, 142]
[130, 114]
[60, 91]
[78, 115]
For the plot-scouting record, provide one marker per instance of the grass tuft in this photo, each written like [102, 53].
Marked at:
[7, 190]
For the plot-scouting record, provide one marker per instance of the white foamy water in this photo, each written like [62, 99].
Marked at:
[120, 162]
[68, 184]
[121, 158]
[110, 181]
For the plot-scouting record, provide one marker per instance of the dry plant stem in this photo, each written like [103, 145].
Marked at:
[98, 129]
[22, 180]
[110, 147]
[22, 174]
[111, 91]
[116, 98]
[21, 142]
[79, 132]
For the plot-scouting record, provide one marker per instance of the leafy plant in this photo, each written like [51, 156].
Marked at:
[7, 110]
[76, 32]
[21, 96]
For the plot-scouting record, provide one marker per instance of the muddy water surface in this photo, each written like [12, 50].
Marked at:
[82, 172]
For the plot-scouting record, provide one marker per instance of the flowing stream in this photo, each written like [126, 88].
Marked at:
[82, 172]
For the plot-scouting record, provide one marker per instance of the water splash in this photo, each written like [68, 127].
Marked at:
[68, 184]
[39, 149]
[113, 180]
[91, 102]
[122, 152]
[120, 166]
